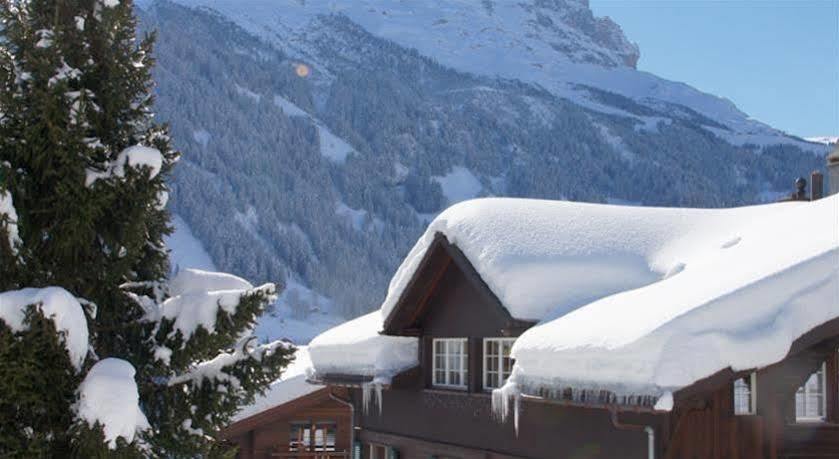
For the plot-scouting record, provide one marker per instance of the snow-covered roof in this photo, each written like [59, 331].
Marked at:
[290, 386]
[636, 300]
[356, 348]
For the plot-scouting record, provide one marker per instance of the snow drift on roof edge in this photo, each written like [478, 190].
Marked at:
[737, 304]
[637, 301]
[357, 348]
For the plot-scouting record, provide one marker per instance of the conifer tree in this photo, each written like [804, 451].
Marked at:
[82, 208]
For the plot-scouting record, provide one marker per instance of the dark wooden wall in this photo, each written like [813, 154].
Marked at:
[437, 421]
[423, 421]
[269, 432]
[706, 427]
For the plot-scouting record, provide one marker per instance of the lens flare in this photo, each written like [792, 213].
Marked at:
[302, 70]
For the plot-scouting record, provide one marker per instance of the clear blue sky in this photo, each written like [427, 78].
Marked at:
[778, 60]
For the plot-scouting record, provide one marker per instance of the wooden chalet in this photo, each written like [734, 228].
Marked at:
[442, 408]
[789, 410]
[295, 420]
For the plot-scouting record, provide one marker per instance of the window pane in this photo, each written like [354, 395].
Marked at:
[810, 398]
[491, 348]
[450, 362]
[743, 396]
[497, 361]
[325, 437]
[507, 346]
[298, 436]
[492, 380]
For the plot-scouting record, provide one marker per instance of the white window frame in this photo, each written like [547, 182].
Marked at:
[752, 388]
[805, 393]
[447, 370]
[499, 361]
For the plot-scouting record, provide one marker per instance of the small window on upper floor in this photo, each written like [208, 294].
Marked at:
[745, 395]
[497, 361]
[300, 437]
[811, 398]
[450, 361]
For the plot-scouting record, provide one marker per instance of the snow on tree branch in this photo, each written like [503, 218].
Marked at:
[8, 219]
[56, 304]
[215, 369]
[136, 156]
[108, 395]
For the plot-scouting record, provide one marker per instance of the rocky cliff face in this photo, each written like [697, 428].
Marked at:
[570, 27]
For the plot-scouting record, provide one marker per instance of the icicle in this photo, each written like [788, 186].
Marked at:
[371, 392]
[379, 397]
[501, 403]
[365, 397]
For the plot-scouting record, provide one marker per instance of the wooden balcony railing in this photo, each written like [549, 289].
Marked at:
[312, 454]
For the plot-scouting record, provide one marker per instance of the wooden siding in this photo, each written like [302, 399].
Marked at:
[421, 420]
[445, 421]
[447, 299]
[266, 434]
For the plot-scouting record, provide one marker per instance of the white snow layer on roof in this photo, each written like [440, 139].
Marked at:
[752, 281]
[640, 301]
[108, 395]
[290, 386]
[357, 348]
[8, 212]
[54, 303]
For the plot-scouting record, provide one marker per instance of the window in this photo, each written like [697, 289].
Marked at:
[497, 361]
[745, 395]
[810, 398]
[300, 436]
[450, 362]
[308, 436]
[325, 436]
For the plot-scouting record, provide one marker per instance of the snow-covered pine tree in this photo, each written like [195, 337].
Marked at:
[101, 354]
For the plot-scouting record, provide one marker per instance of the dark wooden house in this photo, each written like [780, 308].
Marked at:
[295, 420]
[442, 409]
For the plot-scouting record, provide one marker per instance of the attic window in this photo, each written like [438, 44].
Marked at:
[497, 361]
[745, 395]
[450, 362]
[810, 399]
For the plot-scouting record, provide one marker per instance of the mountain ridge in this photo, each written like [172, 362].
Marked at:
[326, 179]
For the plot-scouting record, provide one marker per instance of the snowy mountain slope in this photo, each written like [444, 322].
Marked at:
[271, 198]
[556, 44]
[185, 251]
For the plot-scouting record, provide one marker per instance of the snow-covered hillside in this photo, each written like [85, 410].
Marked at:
[558, 45]
[318, 146]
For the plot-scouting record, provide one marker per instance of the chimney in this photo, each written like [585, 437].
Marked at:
[800, 193]
[833, 170]
[816, 186]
